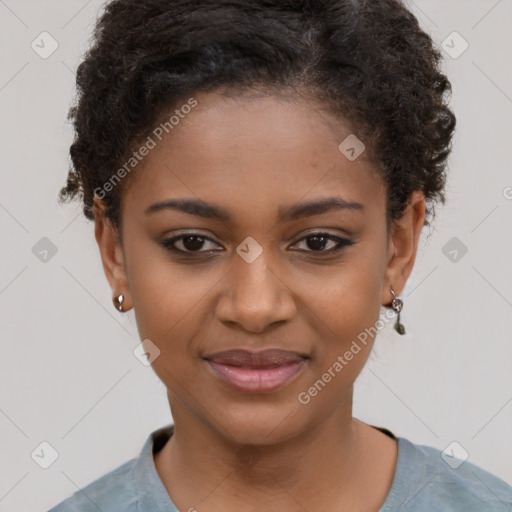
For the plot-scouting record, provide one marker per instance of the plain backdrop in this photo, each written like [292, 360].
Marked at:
[68, 376]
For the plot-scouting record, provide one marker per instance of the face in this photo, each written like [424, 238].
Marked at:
[252, 267]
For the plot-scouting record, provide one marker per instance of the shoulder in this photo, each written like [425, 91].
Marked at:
[132, 486]
[430, 479]
[112, 492]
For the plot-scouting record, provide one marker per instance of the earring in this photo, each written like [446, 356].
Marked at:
[397, 305]
[118, 302]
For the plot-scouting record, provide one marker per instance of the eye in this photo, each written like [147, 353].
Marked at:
[191, 243]
[318, 241]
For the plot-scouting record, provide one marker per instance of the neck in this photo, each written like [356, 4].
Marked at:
[202, 468]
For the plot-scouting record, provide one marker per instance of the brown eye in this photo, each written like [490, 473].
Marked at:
[317, 242]
[190, 243]
[193, 243]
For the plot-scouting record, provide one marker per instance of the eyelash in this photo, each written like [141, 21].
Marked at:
[341, 244]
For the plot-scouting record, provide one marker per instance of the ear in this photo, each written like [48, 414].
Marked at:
[403, 245]
[112, 256]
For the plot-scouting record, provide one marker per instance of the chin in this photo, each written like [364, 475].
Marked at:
[261, 424]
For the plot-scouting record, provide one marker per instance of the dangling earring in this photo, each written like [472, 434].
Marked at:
[118, 302]
[397, 305]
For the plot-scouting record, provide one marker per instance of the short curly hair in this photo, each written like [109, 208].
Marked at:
[367, 60]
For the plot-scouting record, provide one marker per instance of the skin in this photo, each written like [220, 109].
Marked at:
[250, 155]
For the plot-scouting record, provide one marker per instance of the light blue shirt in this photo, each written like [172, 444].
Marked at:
[423, 482]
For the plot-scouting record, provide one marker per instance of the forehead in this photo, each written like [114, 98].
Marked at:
[253, 153]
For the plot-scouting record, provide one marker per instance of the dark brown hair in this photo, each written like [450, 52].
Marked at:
[368, 61]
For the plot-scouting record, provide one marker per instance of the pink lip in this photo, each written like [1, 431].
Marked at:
[256, 372]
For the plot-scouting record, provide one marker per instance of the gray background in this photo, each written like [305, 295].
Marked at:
[67, 372]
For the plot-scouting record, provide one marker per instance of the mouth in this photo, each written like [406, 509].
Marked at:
[256, 372]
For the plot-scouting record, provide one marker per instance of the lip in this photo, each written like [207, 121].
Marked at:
[256, 372]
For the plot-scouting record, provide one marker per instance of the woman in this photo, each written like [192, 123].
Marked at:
[259, 174]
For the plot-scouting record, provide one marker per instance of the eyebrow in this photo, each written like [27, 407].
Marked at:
[211, 211]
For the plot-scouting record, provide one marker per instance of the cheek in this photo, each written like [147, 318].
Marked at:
[164, 293]
[347, 310]
[343, 348]
[348, 299]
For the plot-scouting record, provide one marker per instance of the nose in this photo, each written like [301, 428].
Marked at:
[255, 296]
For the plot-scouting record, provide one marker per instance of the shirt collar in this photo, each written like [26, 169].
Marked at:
[152, 494]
